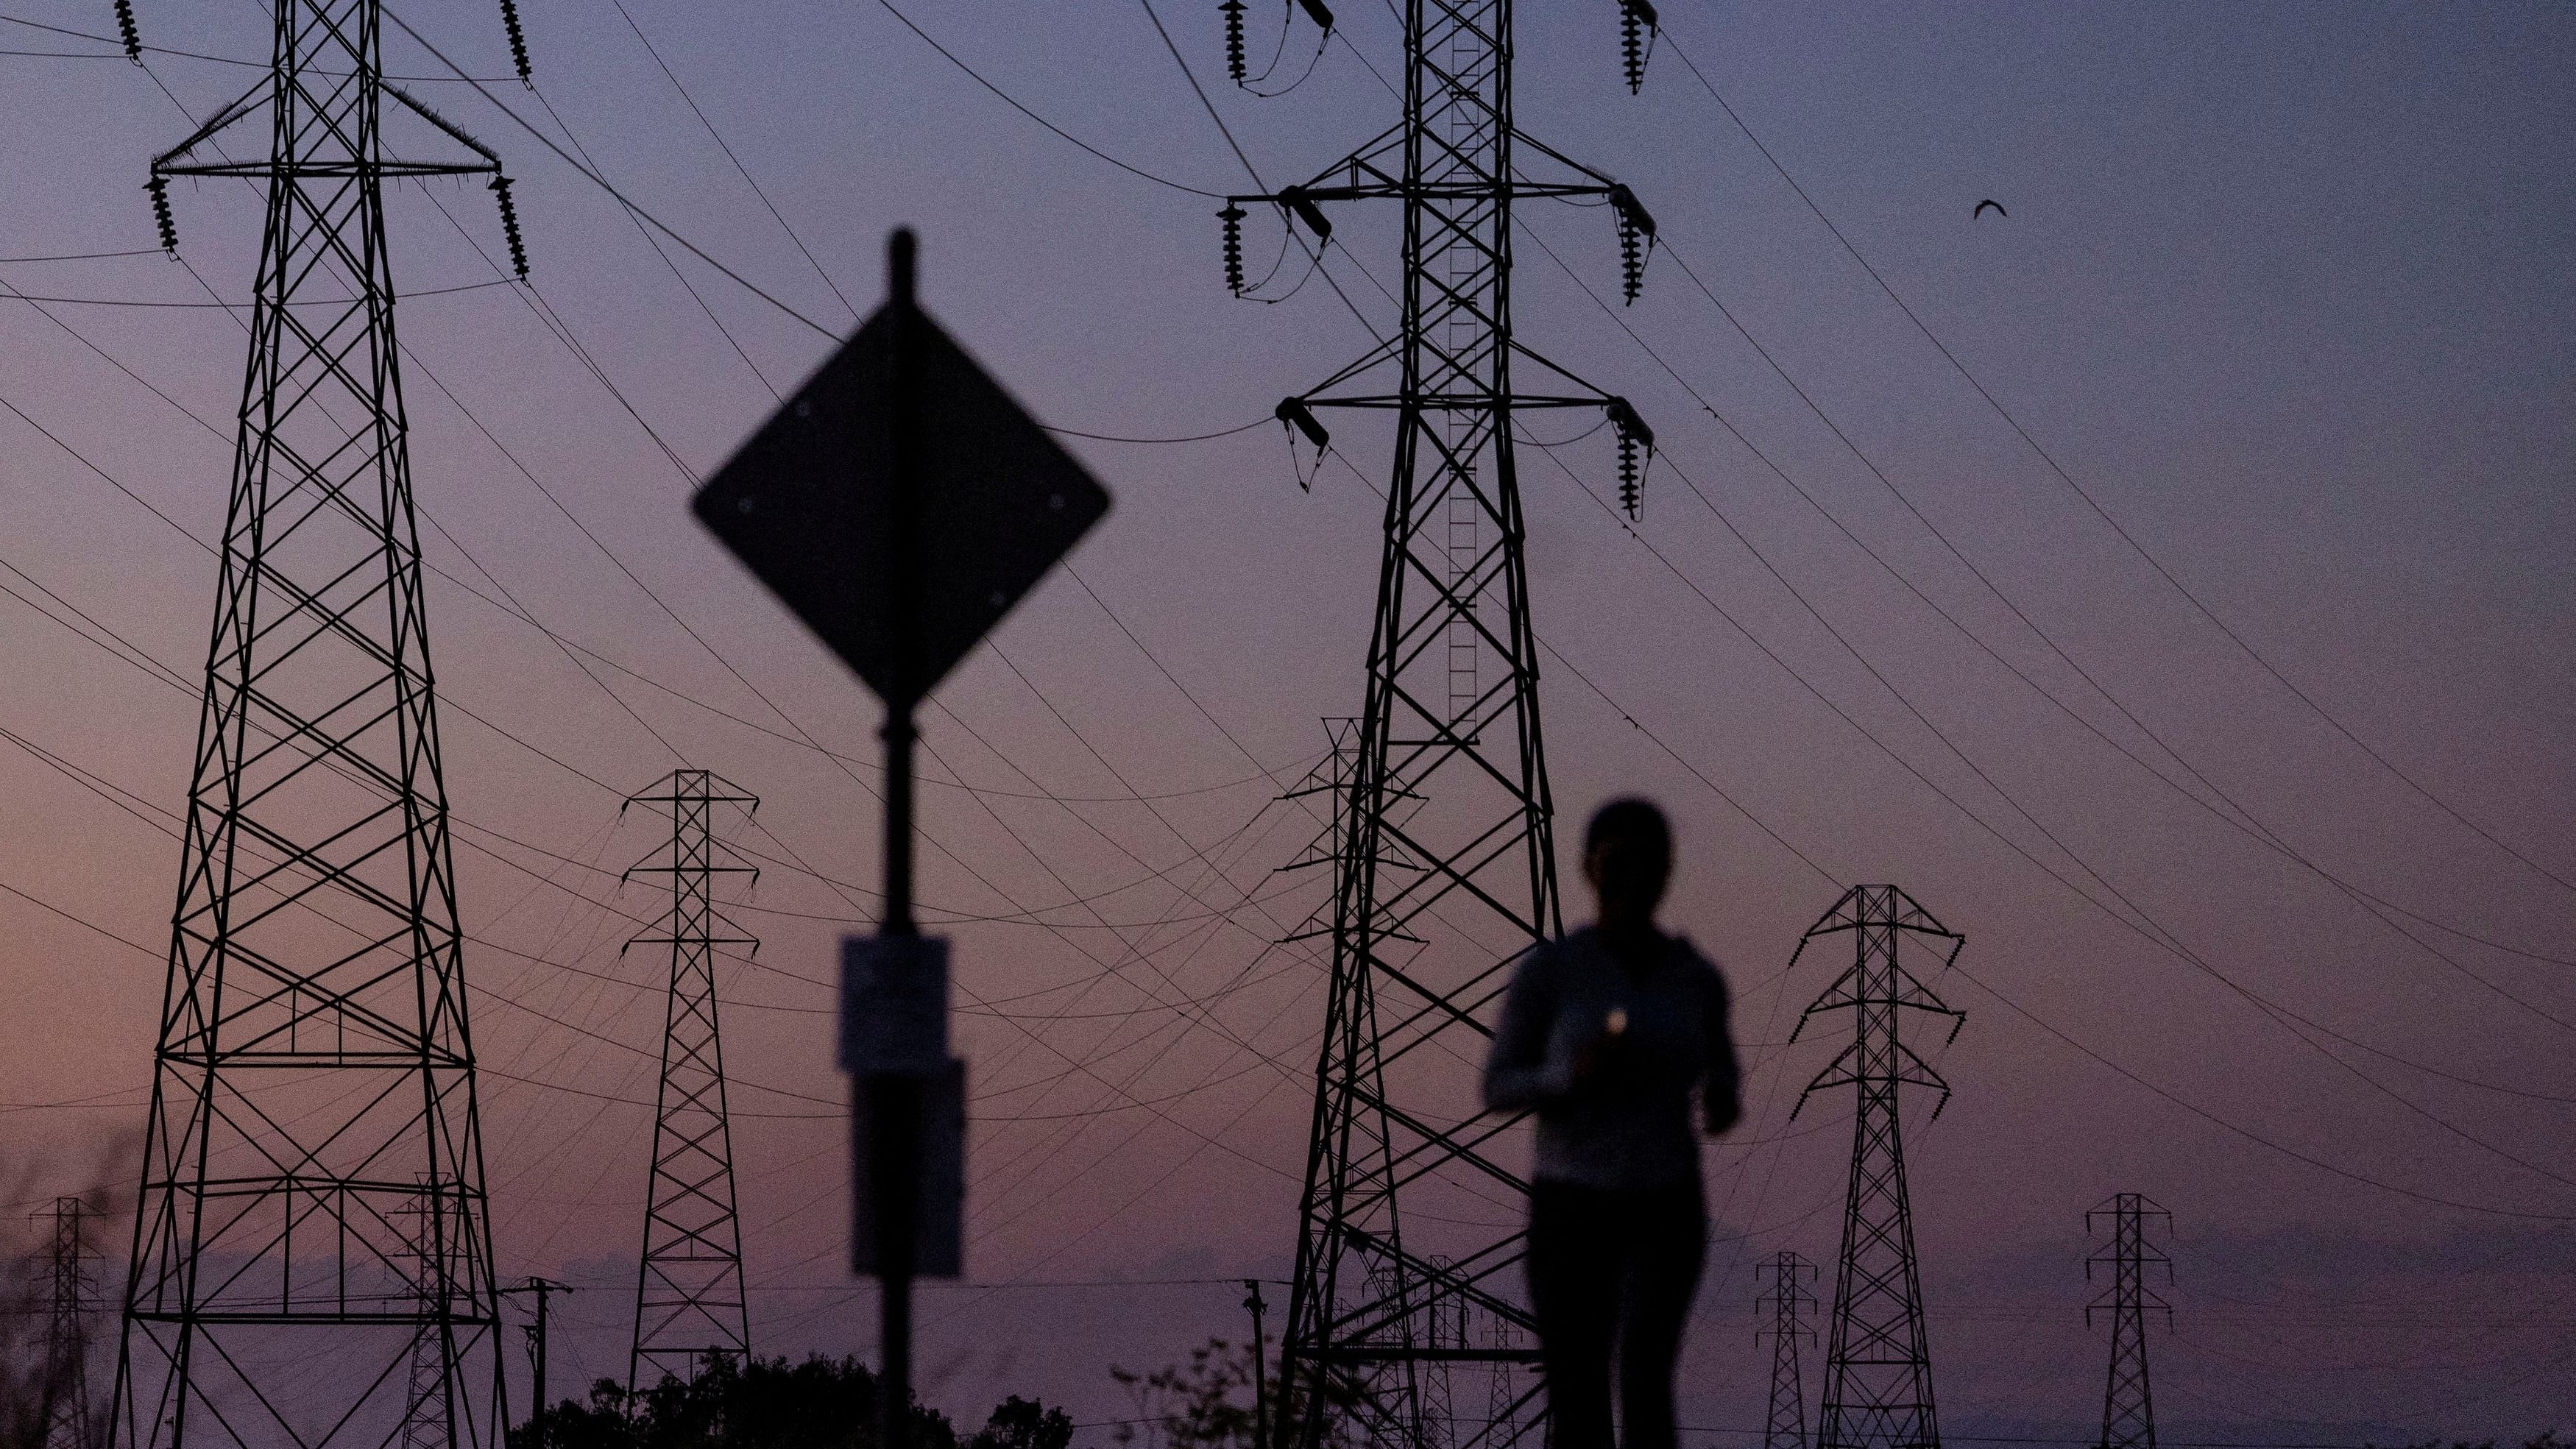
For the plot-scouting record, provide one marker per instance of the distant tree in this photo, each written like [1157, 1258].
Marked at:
[2545, 1439]
[1207, 1403]
[770, 1403]
[1204, 1404]
[1019, 1423]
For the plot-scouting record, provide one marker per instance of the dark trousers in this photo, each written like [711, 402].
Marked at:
[1613, 1266]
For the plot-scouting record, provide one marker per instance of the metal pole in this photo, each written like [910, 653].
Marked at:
[1260, 1376]
[543, 1288]
[894, 1100]
[540, 1346]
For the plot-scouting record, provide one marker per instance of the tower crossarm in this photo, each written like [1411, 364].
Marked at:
[1443, 833]
[312, 117]
[1856, 1066]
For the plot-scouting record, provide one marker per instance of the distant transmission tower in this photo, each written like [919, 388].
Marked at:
[688, 1290]
[68, 1411]
[1788, 1299]
[1878, 1367]
[2128, 1408]
[1444, 870]
[426, 1411]
[313, 1089]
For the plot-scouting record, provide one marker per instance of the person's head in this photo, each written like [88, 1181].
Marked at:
[1628, 858]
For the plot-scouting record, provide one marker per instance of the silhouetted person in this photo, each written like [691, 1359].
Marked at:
[1608, 1035]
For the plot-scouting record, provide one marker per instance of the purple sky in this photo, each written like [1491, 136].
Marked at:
[2287, 289]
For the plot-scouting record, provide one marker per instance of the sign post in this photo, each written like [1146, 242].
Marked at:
[900, 503]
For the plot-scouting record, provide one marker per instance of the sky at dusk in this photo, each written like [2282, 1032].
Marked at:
[2288, 291]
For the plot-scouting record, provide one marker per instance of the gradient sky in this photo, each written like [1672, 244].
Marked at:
[2288, 289]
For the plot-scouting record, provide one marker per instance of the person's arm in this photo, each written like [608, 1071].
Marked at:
[1518, 1074]
[1722, 1092]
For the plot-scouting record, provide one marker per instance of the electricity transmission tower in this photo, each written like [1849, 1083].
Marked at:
[1789, 1302]
[426, 1411]
[68, 1410]
[1878, 1368]
[2128, 1408]
[1444, 868]
[313, 1093]
[688, 1289]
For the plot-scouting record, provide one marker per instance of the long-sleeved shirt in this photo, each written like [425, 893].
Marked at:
[1627, 1124]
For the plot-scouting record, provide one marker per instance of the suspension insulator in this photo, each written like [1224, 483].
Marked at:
[1234, 65]
[1632, 260]
[1634, 436]
[518, 41]
[1637, 20]
[159, 186]
[1232, 216]
[510, 226]
[1636, 238]
[125, 28]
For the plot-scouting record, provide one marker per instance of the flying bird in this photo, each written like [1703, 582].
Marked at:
[1980, 212]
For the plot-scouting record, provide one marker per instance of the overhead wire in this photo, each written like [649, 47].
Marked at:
[2199, 605]
[513, 605]
[1008, 100]
[2150, 929]
[2250, 826]
[576, 521]
[1158, 21]
[808, 253]
[2234, 814]
[2144, 924]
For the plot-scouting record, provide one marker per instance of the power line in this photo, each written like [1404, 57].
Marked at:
[2058, 471]
[602, 182]
[1006, 99]
[559, 762]
[2241, 820]
[2117, 1068]
[722, 145]
[2151, 929]
[2144, 925]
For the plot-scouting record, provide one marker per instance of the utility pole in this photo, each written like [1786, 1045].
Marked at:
[2128, 1408]
[313, 1088]
[1788, 1300]
[1444, 870]
[688, 1287]
[68, 1412]
[1260, 1374]
[543, 1289]
[1878, 1365]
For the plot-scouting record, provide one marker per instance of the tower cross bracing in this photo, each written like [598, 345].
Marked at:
[689, 1289]
[1878, 1360]
[313, 1183]
[1443, 856]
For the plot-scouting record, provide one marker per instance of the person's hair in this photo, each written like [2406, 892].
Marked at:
[1633, 820]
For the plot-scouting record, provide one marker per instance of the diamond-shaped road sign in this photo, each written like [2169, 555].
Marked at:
[901, 502]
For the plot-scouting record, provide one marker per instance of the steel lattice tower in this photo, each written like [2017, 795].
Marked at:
[68, 1410]
[313, 1092]
[688, 1288]
[1444, 868]
[1878, 1367]
[2128, 1408]
[1788, 1299]
[425, 1408]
